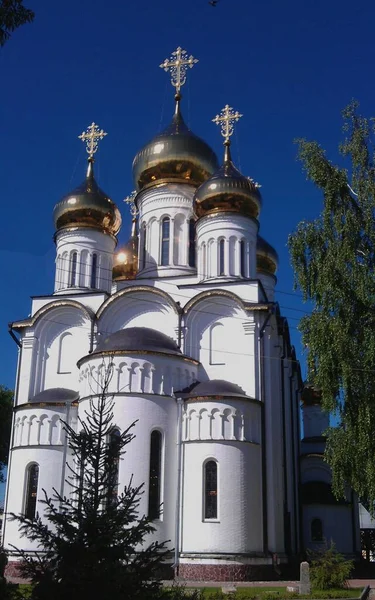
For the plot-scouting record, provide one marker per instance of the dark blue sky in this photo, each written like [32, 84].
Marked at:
[289, 67]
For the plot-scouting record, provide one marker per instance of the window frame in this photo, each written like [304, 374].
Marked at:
[73, 275]
[221, 257]
[165, 244]
[315, 520]
[192, 260]
[154, 507]
[94, 271]
[243, 257]
[205, 518]
[29, 493]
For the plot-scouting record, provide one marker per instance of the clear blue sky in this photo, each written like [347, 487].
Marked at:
[289, 67]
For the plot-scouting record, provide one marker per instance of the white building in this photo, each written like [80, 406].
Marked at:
[202, 360]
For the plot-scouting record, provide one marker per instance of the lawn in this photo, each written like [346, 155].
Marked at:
[280, 593]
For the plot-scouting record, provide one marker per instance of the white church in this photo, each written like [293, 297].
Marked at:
[202, 360]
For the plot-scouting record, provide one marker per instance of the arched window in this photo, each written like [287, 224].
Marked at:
[242, 258]
[165, 232]
[221, 257]
[154, 490]
[94, 268]
[210, 490]
[143, 249]
[73, 269]
[316, 530]
[114, 460]
[31, 490]
[204, 261]
[191, 243]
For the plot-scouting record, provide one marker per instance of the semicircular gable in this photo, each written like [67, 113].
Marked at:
[138, 306]
[55, 304]
[209, 294]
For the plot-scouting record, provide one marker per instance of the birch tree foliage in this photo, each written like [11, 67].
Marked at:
[333, 259]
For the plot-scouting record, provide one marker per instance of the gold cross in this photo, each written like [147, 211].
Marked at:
[130, 201]
[91, 136]
[178, 65]
[226, 120]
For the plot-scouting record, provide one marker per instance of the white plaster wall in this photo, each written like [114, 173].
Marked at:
[50, 459]
[86, 242]
[315, 421]
[50, 351]
[151, 412]
[337, 526]
[238, 528]
[231, 228]
[176, 202]
[221, 336]
[136, 373]
[139, 309]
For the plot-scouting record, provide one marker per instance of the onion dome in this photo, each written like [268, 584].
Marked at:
[176, 155]
[88, 206]
[215, 388]
[125, 261]
[228, 191]
[267, 258]
[55, 396]
[138, 339]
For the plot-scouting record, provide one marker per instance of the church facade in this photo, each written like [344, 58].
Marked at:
[202, 360]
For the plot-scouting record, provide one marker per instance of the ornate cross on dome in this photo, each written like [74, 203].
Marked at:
[130, 201]
[178, 64]
[91, 137]
[226, 120]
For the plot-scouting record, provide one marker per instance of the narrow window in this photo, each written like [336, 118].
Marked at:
[73, 269]
[204, 263]
[316, 530]
[94, 268]
[191, 243]
[210, 490]
[143, 251]
[154, 491]
[114, 459]
[221, 257]
[31, 491]
[242, 258]
[165, 228]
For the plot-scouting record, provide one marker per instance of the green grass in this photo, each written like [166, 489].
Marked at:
[268, 593]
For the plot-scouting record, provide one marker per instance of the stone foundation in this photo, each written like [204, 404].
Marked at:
[13, 572]
[225, 572]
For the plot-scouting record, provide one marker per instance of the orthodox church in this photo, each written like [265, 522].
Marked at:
[202, 361]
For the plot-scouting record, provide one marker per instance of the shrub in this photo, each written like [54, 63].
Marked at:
[329, 569]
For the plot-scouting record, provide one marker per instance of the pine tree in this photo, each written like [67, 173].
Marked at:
[334, 262]
[13, 14]
[92, 539]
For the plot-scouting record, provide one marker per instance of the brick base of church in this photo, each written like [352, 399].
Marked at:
[13, 572]
[217, 572]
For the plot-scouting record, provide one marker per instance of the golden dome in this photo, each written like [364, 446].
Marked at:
[87, 206]
[228, 191]
[175, 155]
[267, 258]
[125, 262]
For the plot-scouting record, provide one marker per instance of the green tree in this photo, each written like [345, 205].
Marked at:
[13, 14]
[6, 408]
[329, 569]
[333, 259]
[93, 540]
